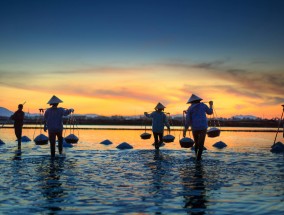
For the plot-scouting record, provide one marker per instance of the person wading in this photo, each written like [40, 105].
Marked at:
[159, 120]
[18, 118]
[53, 122]
[196, 117]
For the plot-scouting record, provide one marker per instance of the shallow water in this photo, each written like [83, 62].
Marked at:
[243, 178]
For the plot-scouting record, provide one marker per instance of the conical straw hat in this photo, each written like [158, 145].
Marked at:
[54, 100]
[159, 106]
[193, 98]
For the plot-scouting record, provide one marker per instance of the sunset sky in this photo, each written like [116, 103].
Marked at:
[122, 57]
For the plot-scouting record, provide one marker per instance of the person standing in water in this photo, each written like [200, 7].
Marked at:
[53, 122]
[196, 117]
[18, 118]
[159, 120]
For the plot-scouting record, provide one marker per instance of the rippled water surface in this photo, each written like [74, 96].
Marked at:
[244, 178]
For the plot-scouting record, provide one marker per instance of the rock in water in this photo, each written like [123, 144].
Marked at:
[220, 145]
[71, 138]
[124, 145]
[106, 142]
[41, 140]
[25, 139]
[186, 142]
[168, 138]
[145, 136]
[277, 148]
[1, 142]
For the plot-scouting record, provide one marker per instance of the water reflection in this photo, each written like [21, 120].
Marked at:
[50, 172]
[194, 189]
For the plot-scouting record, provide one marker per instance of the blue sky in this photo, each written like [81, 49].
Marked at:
[41, 38]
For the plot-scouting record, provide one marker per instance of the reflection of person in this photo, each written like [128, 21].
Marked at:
[18, 118]
[195, 195]
[196, 117]
[159, 120]
[53, 122]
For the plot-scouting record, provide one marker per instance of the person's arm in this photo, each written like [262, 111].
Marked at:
[209, 110]
[148, 115]
[68, 111]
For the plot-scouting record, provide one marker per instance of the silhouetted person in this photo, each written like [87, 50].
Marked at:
[18, 118]
[159, 120]
[53, 122]
[196, 117]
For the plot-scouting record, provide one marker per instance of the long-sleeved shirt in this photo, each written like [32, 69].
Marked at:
[196, 116]
[159, 120]
[53, 118]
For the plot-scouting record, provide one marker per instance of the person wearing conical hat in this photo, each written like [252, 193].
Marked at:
[53, 122]
[159, 120]
[18, 118]
[196, 117]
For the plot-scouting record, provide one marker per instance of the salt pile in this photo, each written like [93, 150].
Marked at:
[220, 145]
[124, 145]
[277, 148]
[1, 142]
[168, 138]
[25, 139]
[106, 142]
[65, 144]
[71, 138]
[41, 140]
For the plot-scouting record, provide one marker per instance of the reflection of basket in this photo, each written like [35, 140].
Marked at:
[168, 138]
[145, 136]
[213, 132]
[186, 142]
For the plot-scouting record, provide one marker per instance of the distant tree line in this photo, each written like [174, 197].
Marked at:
[142, 121]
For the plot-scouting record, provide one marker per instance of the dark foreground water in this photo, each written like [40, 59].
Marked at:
[244, 178]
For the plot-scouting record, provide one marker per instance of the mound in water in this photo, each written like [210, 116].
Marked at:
[168, 138]
[1, 142]
[25, 139]
[71, 138]
[41, 140]
[277, 148]
[220, 145]
[186, 142]
[124, 145]
[106, 142]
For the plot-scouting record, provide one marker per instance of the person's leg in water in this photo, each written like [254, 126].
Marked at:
[160, 138]
[52, 138]
[60, 142]
[18, 133]
[199, 138]
[156, 137]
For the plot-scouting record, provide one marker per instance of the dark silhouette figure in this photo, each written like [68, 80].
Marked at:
[18, 118]
[196, 117]
[53, 122]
